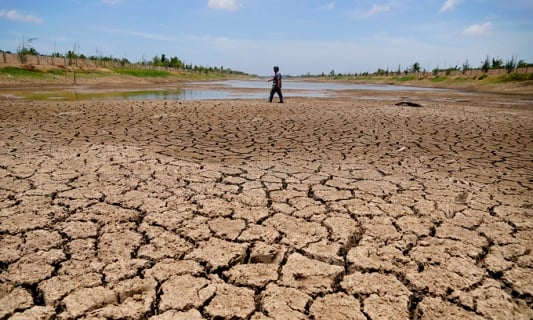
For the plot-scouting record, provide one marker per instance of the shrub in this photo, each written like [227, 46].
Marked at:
[515, 77]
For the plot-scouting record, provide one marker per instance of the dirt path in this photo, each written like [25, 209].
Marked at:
[314, 209]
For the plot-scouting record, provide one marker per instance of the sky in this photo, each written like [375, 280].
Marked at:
[300, 36]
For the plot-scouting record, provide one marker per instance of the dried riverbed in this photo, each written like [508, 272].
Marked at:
[336, 208]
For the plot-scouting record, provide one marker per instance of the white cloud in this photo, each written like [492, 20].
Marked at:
[376, 9]
[449, 5]
[478, 29]
[144, 35]
[229, 5]
[328, 6]
[14, 15]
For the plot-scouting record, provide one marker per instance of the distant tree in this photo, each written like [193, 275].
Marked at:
[381, 72]
[510, 65]
[71, 55]
[497, 63]
[25, 49]
[156, 61]
[415, 68]
[485, 66]
[175, 62]
[332, 73]
[164, 60]
[450, 70]
[466, 66]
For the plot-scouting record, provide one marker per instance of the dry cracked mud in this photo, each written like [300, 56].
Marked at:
[335, 208]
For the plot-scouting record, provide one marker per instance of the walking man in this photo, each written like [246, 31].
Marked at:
[276, 85]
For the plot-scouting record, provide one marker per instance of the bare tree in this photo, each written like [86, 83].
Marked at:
[25, 48]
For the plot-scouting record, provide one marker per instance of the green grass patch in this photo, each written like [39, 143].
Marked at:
[439, 79]
[143, 73]
[20, 72]
[30, 72]
[513, 77]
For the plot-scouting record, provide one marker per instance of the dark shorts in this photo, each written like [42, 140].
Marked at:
[277, 90]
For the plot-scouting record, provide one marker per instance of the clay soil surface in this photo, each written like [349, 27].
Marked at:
[337, 208]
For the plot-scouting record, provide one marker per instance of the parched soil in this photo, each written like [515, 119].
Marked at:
[339, 208]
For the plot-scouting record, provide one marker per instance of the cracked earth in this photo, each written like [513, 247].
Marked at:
[315, 209]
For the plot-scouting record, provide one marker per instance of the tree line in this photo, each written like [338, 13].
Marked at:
[26, 49]
[510, 65]
[486, 65]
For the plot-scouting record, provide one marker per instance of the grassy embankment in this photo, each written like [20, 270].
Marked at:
[482, 79]
[130, 82]
[502, 82]
[62, 75]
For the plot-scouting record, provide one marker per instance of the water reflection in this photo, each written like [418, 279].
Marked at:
[194, 94]
[228, 89]
[182, 94]
[319, 86]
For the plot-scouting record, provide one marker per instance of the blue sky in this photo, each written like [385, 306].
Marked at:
[298, 35]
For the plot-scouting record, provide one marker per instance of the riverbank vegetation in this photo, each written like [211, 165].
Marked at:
[28, 64]
[487, 66]
[493, 74]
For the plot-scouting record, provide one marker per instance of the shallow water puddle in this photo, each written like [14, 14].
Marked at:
[98, 94]
[229, 89]
[184, 94]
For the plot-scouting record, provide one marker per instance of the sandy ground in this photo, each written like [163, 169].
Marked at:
[337, 208]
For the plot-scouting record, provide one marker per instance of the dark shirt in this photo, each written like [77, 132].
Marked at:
[276, 79]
